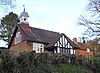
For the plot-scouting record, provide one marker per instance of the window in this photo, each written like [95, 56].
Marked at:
[18, 38]
[88, 50]
[38, 47]
[66, 50]
[61, 50]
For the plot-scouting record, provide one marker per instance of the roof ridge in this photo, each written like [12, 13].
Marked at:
[45, 30]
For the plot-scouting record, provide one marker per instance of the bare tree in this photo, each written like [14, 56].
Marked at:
[94, 6]
[91, 19]
[7, 4]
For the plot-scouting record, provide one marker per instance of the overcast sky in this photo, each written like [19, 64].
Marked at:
[54, 15]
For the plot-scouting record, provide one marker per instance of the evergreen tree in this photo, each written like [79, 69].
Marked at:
[7, 24]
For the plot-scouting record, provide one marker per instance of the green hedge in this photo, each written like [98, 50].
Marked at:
[97, 62]
[38, 63]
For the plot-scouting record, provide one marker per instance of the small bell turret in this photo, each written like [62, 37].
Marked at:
[24, 16]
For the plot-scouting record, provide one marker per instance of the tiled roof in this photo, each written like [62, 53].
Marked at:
[43, 36]
[85, 46]
[46, 36]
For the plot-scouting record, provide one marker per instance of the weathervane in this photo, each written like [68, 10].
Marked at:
[24, 7]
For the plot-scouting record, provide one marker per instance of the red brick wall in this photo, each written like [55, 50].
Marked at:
[83, 52]
[20, 47]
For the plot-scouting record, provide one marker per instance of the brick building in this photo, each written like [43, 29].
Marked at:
[84, 49]
[26, 38]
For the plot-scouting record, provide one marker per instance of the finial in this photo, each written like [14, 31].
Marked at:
[24, 7]
[24, 14]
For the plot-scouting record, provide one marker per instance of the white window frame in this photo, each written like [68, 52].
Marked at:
[37, 47]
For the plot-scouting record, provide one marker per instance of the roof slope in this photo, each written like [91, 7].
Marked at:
[84, 45]
[46, 36]
[40, 35]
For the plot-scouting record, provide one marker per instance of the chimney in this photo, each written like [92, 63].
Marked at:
[75, 40]
[83, 38]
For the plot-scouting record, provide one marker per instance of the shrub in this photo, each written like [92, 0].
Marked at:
[97, 62]
[7, 62]
[30, 62]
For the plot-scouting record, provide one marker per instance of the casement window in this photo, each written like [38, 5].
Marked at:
[62, 50]
[38, 47]
[18, 38]
[67, 50]
[88, 50]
